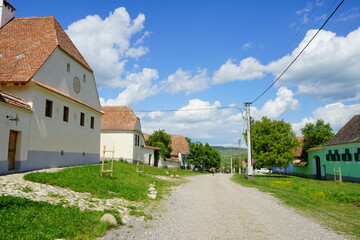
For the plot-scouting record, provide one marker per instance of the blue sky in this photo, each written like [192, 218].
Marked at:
[184, 55]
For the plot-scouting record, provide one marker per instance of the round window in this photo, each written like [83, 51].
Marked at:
[76, 84]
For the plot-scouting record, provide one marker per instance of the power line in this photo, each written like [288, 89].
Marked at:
[292, 62]
[177, 110]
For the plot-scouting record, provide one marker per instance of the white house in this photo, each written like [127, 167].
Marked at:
[121, 132]
[42, 69]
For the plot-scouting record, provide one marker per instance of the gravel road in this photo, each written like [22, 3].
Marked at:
[214, 207]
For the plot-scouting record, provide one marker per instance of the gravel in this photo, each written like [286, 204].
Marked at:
[214, 207]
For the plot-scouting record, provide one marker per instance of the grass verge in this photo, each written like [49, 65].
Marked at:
[335, 204]
[125, 183]
[25, 219]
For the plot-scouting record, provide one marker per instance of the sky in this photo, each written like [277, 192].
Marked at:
[188, 66]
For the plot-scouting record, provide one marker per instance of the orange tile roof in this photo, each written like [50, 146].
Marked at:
[298, 151]
[14, 101]
[26, 43]
[118, 118]
[179, 144]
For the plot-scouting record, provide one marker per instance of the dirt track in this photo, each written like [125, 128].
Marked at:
[214, 207]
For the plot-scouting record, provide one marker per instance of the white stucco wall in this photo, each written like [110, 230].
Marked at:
[54, 74]
[21, 127]
[123, 143]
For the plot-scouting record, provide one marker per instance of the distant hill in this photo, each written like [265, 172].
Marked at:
[228, 152]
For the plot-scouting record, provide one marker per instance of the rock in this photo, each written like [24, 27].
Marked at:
[151, 189]
[107, 217]
[152, 196]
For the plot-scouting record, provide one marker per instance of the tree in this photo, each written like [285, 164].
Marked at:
[203, 155]
[272, 143]
[316, 135]
[162, 140]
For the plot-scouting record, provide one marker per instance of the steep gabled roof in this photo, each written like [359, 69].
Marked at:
[179, 145]
[297, 151]
[14, 101]
[26, 43]
[350, 133]
[118, 118]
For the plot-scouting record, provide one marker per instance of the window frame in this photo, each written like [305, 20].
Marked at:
[66, 111]
[48, 108]
[82, 119]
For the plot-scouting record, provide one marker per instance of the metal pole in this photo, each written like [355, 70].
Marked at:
[239, 156]
[249, 165]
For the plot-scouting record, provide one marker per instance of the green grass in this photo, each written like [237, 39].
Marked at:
[335, 204]
[25, 219]
[125, 183]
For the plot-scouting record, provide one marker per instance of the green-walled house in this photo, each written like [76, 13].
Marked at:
[340, 154]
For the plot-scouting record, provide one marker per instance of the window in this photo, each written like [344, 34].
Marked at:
[48, 108]
[329, 156]
[84, 78]
[82, 119]
[137, 140]
[336, 156]
[92, 122]
[68, 67]
[66, 114]
[357, 155]
[346, 156]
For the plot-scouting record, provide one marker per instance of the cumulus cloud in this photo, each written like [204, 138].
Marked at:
[106, 44]
[248, 69]
[274, 108]
[184, 81]
[327, 70]
[139, 86]
[337, 114]
[199, 120]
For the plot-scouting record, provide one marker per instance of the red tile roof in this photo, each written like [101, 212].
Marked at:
[26, 43]
[118, 118]
[179, 145]
[14, 101]
[297, 151]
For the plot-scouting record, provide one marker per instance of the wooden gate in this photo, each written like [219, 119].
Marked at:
[12, 150]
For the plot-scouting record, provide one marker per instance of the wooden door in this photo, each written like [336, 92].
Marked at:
[12, 149]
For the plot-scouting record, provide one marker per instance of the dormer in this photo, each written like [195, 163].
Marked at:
[7, 12]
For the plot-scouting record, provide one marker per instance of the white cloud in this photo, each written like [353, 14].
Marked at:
[206, 124]
[248, 69]
[196, 110]
[337, 114]
[106, 44]
[139, 86]
[327, 70]
[282, 103]
[350, 14]
[185, 81]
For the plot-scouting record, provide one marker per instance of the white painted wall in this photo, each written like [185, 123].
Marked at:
[54, 74]
[122, 141]
[6, 13]
[22, 127]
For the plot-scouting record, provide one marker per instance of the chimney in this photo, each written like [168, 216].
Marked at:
[7, 12]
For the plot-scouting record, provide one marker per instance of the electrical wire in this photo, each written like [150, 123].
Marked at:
[293, 61]
[177, 110]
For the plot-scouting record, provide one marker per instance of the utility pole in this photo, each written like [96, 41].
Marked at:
[231, 168]
[239, 156]
[249, 163]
